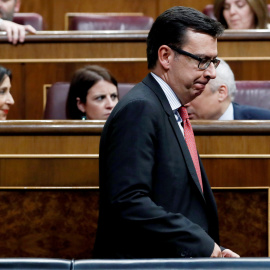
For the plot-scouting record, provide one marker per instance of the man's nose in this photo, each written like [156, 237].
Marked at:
[210, 72]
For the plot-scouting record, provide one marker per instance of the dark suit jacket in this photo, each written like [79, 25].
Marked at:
[245, 112]
[151, 204]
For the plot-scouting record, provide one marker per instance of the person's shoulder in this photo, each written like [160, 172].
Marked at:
[140, 99]
[247, 112]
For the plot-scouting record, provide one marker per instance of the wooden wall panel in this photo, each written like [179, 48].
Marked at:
[48, 223]
[243, 221]
[165, 4]
[62, 223]
[250, 69]
[42, 7]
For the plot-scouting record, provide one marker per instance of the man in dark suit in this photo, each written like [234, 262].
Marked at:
[215, 103]
[152, 201]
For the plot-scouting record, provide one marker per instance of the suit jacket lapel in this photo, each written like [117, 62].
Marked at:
[155, 87]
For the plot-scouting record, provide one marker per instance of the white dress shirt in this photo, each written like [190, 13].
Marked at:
[228, 114]
[172, 99]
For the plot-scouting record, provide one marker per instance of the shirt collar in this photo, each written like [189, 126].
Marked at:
[169, 93]
[228, 115]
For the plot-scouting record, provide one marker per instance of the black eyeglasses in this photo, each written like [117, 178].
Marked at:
[204, 63]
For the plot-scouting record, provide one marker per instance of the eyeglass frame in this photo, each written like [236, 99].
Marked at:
[180, 51]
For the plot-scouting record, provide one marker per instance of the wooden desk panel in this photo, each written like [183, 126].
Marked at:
[238, 172]
[54, 212]
[77, 44]
[62, 223]
[49, 153]
[234, 153]
[48, 171]
[238, 45]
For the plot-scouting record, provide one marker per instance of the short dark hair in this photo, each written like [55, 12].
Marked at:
[170, 29]
[4, 72]
[82, 80]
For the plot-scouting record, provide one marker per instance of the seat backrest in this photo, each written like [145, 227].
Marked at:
[123, 89]
[254, 93]
[92, 21]
[35, 264]
[209, 11]
[56, 98]
[55, 107]
[176, 264]
[34, 19]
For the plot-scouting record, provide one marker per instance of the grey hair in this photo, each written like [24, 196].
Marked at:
[224, 75]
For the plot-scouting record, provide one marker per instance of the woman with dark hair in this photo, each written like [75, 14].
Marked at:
[92, 94]
[242, 14]
[6, 98]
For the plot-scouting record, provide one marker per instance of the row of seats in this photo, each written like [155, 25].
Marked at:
[149, 264]
[91, 21]
[101, 21]
[254, 93]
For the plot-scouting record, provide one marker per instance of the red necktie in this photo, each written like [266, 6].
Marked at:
[190, 140]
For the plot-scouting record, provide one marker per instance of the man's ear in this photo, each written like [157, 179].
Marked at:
[222, 92]
[80, 105]
[165, 56]
[17, 6]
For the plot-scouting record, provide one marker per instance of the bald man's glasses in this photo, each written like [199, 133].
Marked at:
[204, 63]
